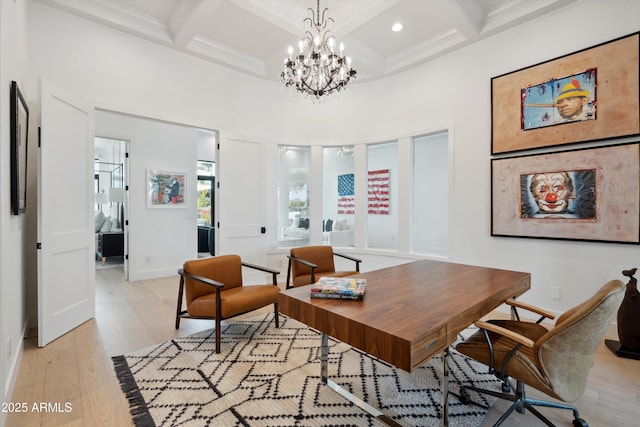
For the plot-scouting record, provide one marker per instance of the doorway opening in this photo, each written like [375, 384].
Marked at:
[206, 208]
[110, 203]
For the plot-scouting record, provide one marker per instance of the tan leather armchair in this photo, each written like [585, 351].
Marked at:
[555, 361]
[307, 264]
[214, 290]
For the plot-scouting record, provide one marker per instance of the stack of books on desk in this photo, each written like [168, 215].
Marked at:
[339, 287]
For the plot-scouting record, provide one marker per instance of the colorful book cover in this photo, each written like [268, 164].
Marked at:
[343, 286]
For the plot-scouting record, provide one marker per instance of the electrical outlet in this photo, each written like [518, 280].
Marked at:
[555, 292]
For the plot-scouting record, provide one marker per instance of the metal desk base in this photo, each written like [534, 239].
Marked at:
[444, 388]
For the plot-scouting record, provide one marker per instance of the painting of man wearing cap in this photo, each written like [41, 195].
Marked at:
[573, 103]
[557, 101]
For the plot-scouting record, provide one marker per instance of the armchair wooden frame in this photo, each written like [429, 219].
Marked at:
[218, 286]
[313, 266]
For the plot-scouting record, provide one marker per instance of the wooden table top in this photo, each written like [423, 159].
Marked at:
[410, 312]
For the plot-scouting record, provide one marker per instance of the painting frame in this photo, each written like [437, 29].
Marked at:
[166, 190]
[19, 124]
[618, 98]
[615, 194]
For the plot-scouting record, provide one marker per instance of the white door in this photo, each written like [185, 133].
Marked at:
[241, 216]
[66, 227]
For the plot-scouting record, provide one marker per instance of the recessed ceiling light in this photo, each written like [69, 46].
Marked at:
[396, 27]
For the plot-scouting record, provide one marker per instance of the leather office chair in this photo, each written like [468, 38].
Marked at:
[214, 290]
[307, 264]
[555, 361]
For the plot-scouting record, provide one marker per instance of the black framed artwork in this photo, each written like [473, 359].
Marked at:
[589, 95]
[19, 139]
[586, 194]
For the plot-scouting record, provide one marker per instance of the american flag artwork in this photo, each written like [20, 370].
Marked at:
[379, 192]
[346, 204]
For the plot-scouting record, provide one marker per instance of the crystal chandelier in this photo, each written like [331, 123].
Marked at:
[317, 70]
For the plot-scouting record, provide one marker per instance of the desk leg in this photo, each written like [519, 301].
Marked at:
[324, 358]
[444, 389]
[324, 361]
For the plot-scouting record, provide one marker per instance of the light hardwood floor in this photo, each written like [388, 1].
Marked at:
[77, 368]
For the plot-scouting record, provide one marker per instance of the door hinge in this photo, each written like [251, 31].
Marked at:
[39, 245]
[263, 230]
[126, 155]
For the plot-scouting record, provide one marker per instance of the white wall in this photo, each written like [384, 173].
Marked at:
[14, 232]
[124, 74]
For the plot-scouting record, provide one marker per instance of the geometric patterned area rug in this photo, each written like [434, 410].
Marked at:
[268, 376]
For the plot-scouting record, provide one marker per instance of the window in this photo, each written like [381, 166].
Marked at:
[430, 194]
[338, 199]
[382, 218]
[206, 190]
[294, 164]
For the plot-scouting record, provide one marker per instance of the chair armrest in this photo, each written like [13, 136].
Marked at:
[521, 339]
[301, 261]
[273, 273]
[204, 280]
[356, 260]
[347, 257]
[532, 308]
[259, 267]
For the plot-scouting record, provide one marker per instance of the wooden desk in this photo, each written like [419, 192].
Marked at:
[410, 312]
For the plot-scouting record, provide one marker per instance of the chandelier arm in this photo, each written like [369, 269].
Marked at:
[325, 21]
[308, 36]
[326, 36]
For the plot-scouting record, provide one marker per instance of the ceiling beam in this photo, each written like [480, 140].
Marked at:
[189, 19]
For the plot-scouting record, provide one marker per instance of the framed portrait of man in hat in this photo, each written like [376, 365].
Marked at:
[559, 101]
[589, 95]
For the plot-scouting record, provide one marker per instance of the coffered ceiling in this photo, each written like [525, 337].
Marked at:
[252, 36]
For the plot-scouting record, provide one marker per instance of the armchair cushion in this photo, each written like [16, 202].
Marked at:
[235, 301]
[523, 364]
[320, 256]
[226, 269]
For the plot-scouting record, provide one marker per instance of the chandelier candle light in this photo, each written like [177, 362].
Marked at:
[317, 70]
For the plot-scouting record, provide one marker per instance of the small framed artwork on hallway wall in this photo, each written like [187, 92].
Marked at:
[166, 189]
[590, 194]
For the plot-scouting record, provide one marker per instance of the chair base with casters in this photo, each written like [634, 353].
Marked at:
[554, 360]
[521, 403]
[308, 264]
[213, 289]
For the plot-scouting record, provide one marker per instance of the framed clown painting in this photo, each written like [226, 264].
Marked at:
[589, 95]
[590, 194]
